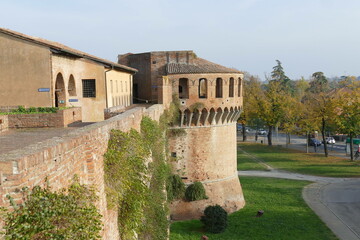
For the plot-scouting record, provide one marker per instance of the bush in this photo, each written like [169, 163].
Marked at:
[67, 214]
[175, 187]
[214, 219]
[195, 191]
[32, 109]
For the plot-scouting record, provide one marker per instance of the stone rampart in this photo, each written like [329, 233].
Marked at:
[59, 159]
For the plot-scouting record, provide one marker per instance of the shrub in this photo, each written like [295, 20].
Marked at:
[195, 191]
[175, 187]
[32, 109]
[214, 219]
[67, 214]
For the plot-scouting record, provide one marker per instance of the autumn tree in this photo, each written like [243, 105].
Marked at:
[249, 115]
[320, 104]
[347, 114]
[271, 106]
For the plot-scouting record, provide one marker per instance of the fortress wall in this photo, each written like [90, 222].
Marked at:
[59, 159]
[207, 154]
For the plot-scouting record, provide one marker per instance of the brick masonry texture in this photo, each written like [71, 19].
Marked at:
[207, 154]
[60, 119]
[58, 159]
[4, 122]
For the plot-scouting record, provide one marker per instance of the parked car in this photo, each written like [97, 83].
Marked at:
[239, 128]
[329, 140]
[314, 141]
[262, 132]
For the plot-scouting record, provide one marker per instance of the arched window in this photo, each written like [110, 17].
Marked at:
[202, 88]
[231, 87]
[71, 86]
[219, 87]
[183, 88]
[239, 87]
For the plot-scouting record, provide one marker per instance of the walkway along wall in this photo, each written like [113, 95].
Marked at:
[59, 159]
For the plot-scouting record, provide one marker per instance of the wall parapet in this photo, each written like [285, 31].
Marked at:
[62, 118]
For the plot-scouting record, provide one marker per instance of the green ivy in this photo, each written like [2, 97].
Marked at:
[44, 214]
[126, 178]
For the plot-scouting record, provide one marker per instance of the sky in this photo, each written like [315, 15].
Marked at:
[307, 36]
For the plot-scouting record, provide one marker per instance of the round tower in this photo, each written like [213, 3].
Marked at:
[210, 99]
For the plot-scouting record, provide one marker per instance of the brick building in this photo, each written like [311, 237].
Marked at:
[210, 97]
[39, 73]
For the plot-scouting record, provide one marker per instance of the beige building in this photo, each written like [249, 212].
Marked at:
[38, 73]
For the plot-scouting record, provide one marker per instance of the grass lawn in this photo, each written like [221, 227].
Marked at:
[297, 161]
[286, 215]
[246, 162]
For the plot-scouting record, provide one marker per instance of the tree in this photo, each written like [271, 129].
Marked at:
[292, 115]
[278, 75]
[300, 88]
[271, 106]
[249, 115]
[347, 114]
[319, 83]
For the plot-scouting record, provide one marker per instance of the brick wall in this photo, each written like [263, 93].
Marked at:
[60, 119]
[80, 152]
[3, 123]
[207, 154]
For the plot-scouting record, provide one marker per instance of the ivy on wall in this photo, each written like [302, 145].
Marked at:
[136, 171]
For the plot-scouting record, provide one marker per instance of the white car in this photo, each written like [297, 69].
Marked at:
[262, 132]
[330, 140]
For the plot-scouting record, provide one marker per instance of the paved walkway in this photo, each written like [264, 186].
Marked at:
[14, 139]
[335, 200]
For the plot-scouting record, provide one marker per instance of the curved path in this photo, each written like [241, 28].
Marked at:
[335, 200]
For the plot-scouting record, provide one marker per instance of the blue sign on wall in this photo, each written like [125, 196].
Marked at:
[44, 90]
[73, 100]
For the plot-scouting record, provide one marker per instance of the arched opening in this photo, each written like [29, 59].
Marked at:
[195, 118]
[60, 96]
[219, 87]
[204, 116]
[187, 119]
[231, 87]
[219, 113]
[183, 88]
[202, 88]
[71, 86]
[225, 115]
[212, 116]
[239, 87]
[231, 113]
